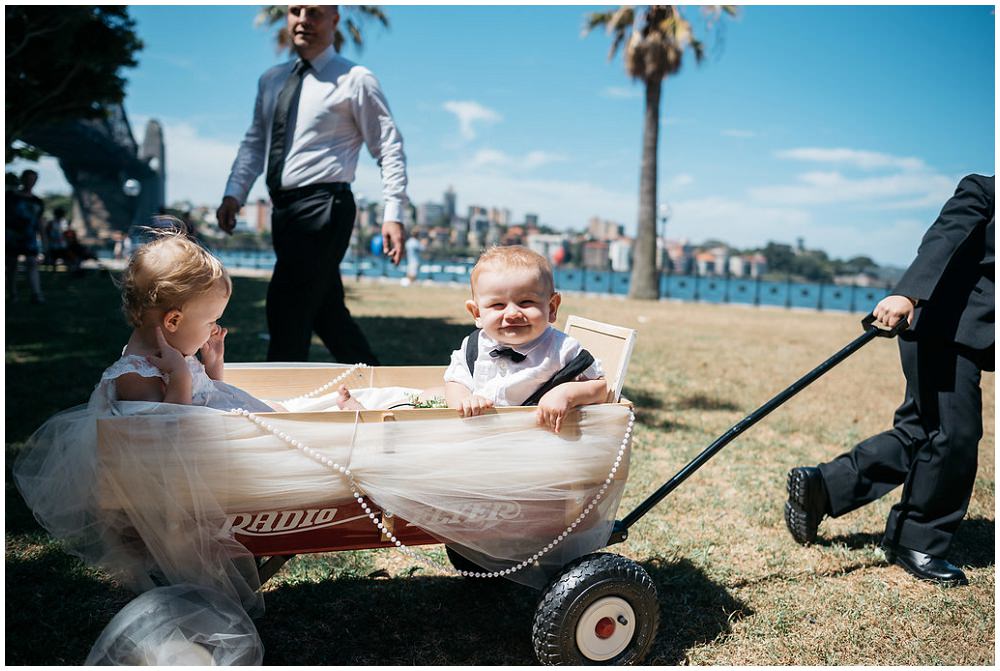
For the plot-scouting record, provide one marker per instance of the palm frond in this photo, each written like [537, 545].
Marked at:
[595, 20]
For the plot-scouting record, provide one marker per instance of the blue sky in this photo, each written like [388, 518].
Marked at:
[847, 126]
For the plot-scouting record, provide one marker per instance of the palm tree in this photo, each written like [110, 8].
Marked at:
[654, 39]
[352, 18]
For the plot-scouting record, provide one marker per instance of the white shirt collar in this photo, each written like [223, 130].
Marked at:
[323, 59]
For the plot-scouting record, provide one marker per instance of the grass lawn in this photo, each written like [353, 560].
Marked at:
[734, 588]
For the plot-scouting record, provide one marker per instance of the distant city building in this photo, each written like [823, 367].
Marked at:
[450, 200]
[603, 229]
[461, 226]
[552, 246]
[530, 220]
[514, 236]
[681, 255]
[595, 255]
[620, 254]
[479, 220]
[500, 216]
[748, 265]
[431, 214]
[858, 280]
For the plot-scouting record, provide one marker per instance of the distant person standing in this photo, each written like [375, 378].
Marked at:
[311, 117]
[413, 249]
[947, 296]
[22, 226]
[55, 238]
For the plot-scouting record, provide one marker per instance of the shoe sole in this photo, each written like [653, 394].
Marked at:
[796, 517]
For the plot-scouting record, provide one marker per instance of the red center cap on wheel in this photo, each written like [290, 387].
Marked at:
[605, 627]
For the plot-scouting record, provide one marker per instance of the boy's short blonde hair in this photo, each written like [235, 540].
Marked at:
[514, 256]
[167, 273]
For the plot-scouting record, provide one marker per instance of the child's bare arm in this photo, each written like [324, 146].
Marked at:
[459, 397]
[554, 405]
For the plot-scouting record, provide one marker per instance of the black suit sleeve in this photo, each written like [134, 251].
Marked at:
[969, 208]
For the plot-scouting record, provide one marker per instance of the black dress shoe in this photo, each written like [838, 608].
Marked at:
[806, 503]
[924, 566]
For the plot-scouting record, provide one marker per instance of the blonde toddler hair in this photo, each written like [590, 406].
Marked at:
[167, 273]
[514, 256]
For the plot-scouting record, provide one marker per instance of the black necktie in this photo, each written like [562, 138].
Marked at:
[516, 357]
[279, 125]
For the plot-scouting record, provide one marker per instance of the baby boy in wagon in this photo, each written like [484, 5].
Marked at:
[516, 357]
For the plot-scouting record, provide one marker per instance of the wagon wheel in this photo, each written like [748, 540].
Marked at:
[601, 609]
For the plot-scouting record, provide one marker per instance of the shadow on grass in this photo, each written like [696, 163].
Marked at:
[974, 546]
[439, 620]
[694, 609]
[56, 608]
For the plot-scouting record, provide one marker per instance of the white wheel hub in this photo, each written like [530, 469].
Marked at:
[605, 629]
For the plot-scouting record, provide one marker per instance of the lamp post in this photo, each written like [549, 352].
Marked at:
[131, 187]
[665, 212]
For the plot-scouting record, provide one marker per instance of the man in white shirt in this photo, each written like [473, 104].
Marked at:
[310, 119]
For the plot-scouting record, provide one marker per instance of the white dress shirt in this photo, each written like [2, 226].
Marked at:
[340, 107]
[507, 383]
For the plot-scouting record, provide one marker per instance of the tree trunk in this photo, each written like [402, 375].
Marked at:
[645, 282]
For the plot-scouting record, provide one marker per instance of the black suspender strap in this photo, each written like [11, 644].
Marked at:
[472, 351]
[567, 373]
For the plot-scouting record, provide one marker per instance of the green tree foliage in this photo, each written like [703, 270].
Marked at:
[813, 265]
[63, 62]
[352, 17]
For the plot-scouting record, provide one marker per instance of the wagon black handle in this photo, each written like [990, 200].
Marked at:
[880, 329]
[620, 531]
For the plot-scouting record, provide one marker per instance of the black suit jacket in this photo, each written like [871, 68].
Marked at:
[952, 276]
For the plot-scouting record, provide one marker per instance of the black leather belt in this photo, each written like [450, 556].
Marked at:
[287, 196]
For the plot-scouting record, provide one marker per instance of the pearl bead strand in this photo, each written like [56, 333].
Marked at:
[337, 380]
[362, 501]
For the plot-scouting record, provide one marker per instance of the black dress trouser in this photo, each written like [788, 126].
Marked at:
[311, 232]
[932, 449]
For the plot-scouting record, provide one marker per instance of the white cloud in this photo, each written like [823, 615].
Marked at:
[622, 92]
[490, 157]
[679, 181]
[535, 159]
[560, 203]
[858, 158]
[469, 113]
[735, 132]
[896, 191]
[496, 158]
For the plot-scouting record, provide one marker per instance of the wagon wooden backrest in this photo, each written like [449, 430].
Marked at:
[611, 344]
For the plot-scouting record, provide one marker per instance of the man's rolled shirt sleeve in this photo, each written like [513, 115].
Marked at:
[249, 163]
[384, 142]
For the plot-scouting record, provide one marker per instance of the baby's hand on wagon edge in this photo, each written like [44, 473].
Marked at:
[474, 405]
[552, 408]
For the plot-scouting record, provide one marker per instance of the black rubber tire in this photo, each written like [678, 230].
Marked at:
[580, 584]
[461, 563]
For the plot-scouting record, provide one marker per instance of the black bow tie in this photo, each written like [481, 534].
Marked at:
[516, 357]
